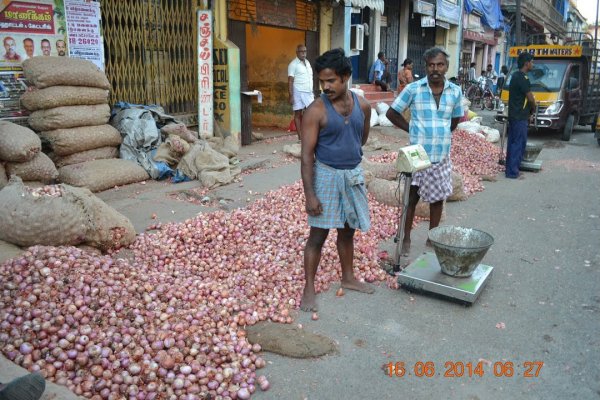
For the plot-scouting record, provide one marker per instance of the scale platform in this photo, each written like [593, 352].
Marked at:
[425, 275]
[534, 166]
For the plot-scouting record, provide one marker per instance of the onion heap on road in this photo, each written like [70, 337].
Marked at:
[172, 321]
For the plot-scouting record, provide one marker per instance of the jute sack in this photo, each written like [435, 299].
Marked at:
[74, 140]
[18, 143]
[3, 177]
[458, 188]
[59, 96]
[69, 117]
[101, 153]
[100, 175]
[380, 170]
[60, 215]
[44, 72]
[422, 210]
[180, 130]
[385, 192]
[107, 228]
[39, 168]
[28, 218]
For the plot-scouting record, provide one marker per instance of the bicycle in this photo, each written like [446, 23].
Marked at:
[480, 93]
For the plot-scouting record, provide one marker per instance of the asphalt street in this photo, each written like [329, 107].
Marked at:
[534, 328]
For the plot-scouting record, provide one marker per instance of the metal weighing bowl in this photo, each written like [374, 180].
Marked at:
[531, 152]
[459, 250]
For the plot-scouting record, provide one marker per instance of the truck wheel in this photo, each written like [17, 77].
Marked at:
[568, 130]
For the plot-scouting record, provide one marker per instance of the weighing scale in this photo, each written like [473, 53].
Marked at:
[532, 165]
[425, 274]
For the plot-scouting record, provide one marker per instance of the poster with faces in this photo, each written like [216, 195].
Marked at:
[31, 28]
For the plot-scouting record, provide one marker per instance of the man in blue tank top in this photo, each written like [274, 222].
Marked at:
[335, 127]
[435, 109]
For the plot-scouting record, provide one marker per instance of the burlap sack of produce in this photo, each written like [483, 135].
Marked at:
[39, 168]
[18, 143]
[3, 176]
[180, 130]
[107, 228]
[29, 217]
[64, 142]
[58, 215]
[207, 165]
[294, 149]
[171, 150]
[385, 192]
[101, 153]
[380, 170]
[59, 96]
[69, 117]
[422, 210]
[458, 188]
[9, 251]
[99, 175]
[46, 71]
[226, 146]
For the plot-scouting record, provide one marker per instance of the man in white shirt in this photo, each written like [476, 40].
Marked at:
[300, 86]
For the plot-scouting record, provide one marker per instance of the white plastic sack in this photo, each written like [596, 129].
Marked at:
[382, 108]
[491, 135]
[374, 117]
[474, 128]
[358, 91]
[384, 121]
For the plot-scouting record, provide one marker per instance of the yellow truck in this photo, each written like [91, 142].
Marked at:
[565, 83]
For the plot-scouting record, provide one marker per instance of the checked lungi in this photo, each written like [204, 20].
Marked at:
[343, 195]
[435, 182]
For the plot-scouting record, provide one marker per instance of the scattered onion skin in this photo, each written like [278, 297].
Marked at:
[171, 320]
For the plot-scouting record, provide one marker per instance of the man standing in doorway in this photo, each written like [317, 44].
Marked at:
[46, 47]
[300, 86]
[435, 110]
[521, 104]
[379, 74]
[336, 126]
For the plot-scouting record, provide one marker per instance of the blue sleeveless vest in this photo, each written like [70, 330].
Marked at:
[340, 144]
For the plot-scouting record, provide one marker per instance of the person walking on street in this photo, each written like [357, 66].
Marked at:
[472, 76]
[521, 104]
[435, 110]
[405, 76]
[336, 126]
[379, 74]
[300, 86]
[501, 79]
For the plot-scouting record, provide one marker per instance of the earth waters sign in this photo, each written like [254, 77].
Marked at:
[32, 28]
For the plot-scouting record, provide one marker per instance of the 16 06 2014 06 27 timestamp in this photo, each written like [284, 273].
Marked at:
[460, 369]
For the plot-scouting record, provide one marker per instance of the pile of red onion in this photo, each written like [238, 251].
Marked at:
[474, 157]
[171, 323]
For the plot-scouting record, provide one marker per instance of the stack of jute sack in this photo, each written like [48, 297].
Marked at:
[20, 155]
[69, 108]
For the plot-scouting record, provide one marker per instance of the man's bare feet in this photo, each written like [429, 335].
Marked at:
[358, 286]
[405, 247]
[309, 302]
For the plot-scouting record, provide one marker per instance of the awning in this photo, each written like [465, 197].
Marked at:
[372, 4]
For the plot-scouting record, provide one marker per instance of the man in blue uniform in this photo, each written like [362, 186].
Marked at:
[336, 126]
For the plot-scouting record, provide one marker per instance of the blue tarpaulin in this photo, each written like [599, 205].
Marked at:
[490, 12]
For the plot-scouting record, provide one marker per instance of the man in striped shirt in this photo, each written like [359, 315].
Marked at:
[435, 110]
